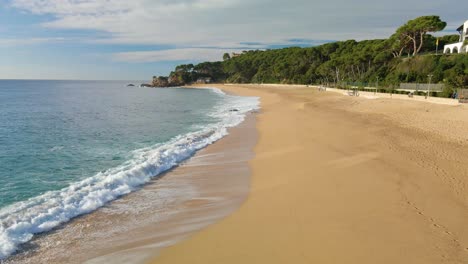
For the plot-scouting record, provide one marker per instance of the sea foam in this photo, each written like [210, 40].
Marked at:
[20, 221]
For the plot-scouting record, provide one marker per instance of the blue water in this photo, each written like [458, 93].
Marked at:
[53, 133]
[69, 147]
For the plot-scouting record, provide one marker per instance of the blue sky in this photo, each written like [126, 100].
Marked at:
[134, 40]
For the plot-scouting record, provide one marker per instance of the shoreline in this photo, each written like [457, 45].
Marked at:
[345, 180]
[220, 174]
[199, 191]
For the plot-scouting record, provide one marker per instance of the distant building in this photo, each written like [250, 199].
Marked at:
[204, 80]
[460, 46]
[233, 55]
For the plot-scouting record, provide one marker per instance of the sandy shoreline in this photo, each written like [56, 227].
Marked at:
[340, 179]
[335, 179]
[199, 192]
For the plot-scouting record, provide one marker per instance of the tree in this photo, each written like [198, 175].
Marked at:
[416, 29]
[343, 61]
[397, 44]
[184, 68]
[448, 39]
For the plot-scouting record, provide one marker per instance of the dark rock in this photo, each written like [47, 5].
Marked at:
[160, 81]
[171, 81]
[174, 80]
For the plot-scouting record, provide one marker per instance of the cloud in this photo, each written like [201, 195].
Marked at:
[132, 22]
[12, 42]
[231, 24]
[184, 54]
[234, 21]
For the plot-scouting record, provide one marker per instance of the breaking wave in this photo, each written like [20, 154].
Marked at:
[19, 222]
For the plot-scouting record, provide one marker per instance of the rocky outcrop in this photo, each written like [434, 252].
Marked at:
[175, 80]
[160, 81]
[171, 81]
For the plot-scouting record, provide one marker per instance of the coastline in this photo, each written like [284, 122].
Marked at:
[345, 180]
[196, 193]
[219, 173]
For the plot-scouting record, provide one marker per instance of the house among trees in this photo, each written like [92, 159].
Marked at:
[459, 47]
[204, 80]
[234, 54]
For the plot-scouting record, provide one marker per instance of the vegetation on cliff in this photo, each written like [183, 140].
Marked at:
[407, 56]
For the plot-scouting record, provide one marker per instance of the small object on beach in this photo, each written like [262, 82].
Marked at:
[234, 110]
[322, 88]
[353, 92]
[130, 85]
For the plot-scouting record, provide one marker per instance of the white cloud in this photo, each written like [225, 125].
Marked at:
[185, 21]
[193, 54]
[226, 23]
[12, 42]
[72, 7]
[133, 22]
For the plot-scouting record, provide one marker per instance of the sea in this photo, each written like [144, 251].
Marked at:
[68, 148]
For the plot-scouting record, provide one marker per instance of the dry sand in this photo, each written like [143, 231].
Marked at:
[339, 179]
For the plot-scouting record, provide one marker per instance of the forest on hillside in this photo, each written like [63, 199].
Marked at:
[409, 55]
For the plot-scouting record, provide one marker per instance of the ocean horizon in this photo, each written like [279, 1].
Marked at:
[70, 147]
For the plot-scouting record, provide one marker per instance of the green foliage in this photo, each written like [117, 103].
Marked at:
[448, 39]
[345, 62]
[450, 70]
[189, 73]
[330, 63]
[415, 31]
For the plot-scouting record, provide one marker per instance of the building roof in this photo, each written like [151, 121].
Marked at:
[460, 28]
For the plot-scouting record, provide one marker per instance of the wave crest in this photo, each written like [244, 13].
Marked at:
[19, 222]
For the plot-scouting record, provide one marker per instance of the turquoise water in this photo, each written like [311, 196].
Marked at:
[53, 133]
[69, 147]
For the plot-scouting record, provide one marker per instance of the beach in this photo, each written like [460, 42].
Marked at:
[174, 132]
[339, 179]
[188, 183]
[197, 193]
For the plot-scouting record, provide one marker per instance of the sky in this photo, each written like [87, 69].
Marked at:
[136, 39]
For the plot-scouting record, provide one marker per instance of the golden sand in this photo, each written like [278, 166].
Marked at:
[200, 191]
[339, 179]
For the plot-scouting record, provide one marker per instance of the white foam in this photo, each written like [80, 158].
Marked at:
[218, 91]
[20, 221]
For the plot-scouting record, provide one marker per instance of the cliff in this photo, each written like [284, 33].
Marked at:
[162, 81]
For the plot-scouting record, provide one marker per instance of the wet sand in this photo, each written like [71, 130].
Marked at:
[199, 192]
[338, 179]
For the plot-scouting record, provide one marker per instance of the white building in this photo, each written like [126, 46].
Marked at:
[459, 47]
